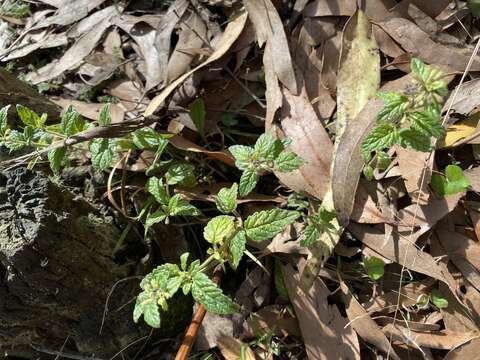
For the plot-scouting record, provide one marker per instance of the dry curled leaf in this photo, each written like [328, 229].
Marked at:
[232, 32]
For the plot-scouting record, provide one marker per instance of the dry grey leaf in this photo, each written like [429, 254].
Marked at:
[420, 45]
[35, 41]
[324, 330]
[232, 32]
[70, 11]
[75, 55]
[162, 38]
[273, 34]
[193, 33]
[363, 324]
[466, 99]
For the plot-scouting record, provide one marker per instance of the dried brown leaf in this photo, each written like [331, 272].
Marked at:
[323, 328]
[401, 250]
[419, 44]
[184, 144]
[232, 349]
[232, 32]
[269, 30]
[363, 324]
[310, 141]
[467, 350]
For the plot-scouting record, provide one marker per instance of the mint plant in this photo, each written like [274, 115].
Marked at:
[321, 222]
[409, 118]
[265, 156]
[227, 235]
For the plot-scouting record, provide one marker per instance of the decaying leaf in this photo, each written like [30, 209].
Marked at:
[232, 31]
[310, 141]
[324, 330]
[233, 349]
[420, 45]
[363, 324]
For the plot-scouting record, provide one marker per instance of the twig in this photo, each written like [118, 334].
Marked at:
[192, 330]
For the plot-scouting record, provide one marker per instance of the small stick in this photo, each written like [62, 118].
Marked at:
[192, 331]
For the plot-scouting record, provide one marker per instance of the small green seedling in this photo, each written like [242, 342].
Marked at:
[267, 155]
[437, 299]
[453, 182]
[375, 268]
[409, 118]
[318, 223]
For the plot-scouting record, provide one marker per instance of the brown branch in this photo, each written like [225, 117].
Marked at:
[192, 331]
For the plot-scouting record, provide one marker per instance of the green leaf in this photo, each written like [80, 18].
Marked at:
[265, 146]
[374, 267]
[182, 174]
[197, 114]
[438, 299]
[103, 153]
[218, 229]
[310, 235]
[394, 106]
[287, 161]
[15, 141]
[104, 119]
[427, 122]
[29, 117]
[155, 187]
[381, 137]
[453, 182]
[4, 119]
[177, 206]
[184, 261]
[431, 79]
[242, 154]
[368, 172]
[207, 293]
[412, 139]
[248, 181]
[237, 248]
[147, 138]
[155, 218]
[279, 279]
[226, 199]
[56, 157]
[72, 122]
[383, 160]
[264, 225]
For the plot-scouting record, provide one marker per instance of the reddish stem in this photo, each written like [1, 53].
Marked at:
[192, 331]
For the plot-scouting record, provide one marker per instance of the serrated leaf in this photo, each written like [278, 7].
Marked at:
[431, 79]
[103, 153]
[197, 114]
[15, 141]
[381, 137]
[72, 122]
[29, 117]
[438, 299]
[147, 138]
[226, 199]
[207, 293]
[415, 140]
[310, 235]
[242, 154]
[394, 106]
[248, 181]
[287, 161]
[177, 206]
[182, 174]
[56, 157]
[155, 218]
[155, 187]
[265, 146]
[151, 314]
[453, 182]
[104, 119]
[427, 122]
[375, 268]
[237, 248]
[218, 229]
[264, 225]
